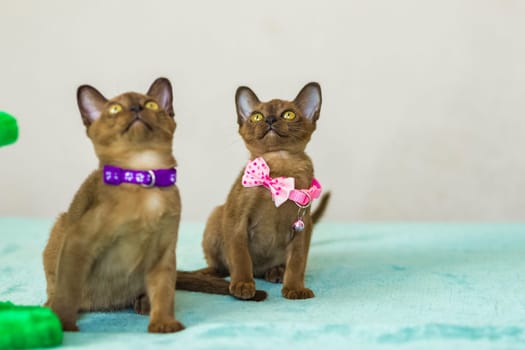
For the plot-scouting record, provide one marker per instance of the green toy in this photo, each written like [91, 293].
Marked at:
[23, 327]
[8, 129]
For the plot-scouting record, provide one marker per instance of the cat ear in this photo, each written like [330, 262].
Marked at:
[245, 101]
[162, 92]
[90, 103]
[309, 101]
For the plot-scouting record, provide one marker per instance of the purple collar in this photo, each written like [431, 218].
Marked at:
[148, 178]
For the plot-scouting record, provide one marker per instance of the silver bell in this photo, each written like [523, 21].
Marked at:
[298, 225]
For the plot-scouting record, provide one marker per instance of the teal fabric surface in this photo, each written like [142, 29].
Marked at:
[378, 286]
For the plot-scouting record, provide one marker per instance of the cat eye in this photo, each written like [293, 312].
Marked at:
[288, 115]
[256, 117]
[152, 105]
[114, 109]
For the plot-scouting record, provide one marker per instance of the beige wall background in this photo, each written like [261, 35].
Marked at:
[423, 101]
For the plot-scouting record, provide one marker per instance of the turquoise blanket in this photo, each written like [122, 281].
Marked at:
[381, 286]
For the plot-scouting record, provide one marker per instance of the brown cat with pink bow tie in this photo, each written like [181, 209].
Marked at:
[265, 226]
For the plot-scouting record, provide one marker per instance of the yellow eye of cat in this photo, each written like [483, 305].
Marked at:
[114, 109]
[256, 117]
[152, 105]
[289, 115]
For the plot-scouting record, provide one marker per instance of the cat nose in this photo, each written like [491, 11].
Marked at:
[271, 120]
[136, 108]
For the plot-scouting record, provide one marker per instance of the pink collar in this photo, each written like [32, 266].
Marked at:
[304, 198]
[257, 173]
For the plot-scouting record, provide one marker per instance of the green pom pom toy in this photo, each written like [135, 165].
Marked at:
[23, 327]
[8, 129]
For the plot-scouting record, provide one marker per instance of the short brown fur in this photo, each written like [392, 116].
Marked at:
[248, 236]
[115, 246]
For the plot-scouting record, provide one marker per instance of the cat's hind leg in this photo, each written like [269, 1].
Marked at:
[50, 256]
[141, 305]
[275, 274]
[74, 261]
[213, 245]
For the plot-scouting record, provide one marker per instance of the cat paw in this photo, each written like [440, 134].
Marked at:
[300, 293]
[169, 326]
[275, 274]
[242, 290]
[69, 326]
[68, 319]
[142, 305]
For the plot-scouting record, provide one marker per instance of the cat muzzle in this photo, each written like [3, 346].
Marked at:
[137, 119]
[269, 130]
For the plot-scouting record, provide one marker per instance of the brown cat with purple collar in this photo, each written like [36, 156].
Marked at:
[263, 230]
[115, 246]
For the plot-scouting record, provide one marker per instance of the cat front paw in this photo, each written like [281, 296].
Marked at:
[242, 290]
[299, 293]
[165, 326]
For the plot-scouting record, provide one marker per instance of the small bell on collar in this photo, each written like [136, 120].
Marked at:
[298, 225]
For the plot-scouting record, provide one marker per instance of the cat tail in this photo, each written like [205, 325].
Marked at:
[319, 211]
[198, 281]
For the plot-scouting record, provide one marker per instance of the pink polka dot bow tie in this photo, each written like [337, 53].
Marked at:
[257, 173]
